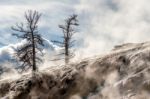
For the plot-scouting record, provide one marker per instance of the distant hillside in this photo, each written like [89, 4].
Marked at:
[124, 73]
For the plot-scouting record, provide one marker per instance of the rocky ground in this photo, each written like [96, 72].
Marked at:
[123, 73]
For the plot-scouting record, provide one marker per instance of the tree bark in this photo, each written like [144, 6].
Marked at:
[33, 57]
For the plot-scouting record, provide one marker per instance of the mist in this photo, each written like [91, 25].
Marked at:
[102, 22]
[110, 61]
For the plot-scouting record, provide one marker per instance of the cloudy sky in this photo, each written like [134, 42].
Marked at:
[103, 23]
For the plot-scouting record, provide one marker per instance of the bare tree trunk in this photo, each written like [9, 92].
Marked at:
[66, 52]
[33, 57]
[67, 43]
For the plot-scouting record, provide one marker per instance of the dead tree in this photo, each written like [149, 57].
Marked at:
[68, 32]
[29, 31]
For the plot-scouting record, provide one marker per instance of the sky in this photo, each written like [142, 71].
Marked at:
[103, 23]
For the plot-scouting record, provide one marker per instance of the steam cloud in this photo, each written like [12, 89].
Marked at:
[103, 23]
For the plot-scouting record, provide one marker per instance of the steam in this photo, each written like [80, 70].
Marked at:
[106, 23]
[121, 74]
[9, 62]
[103, 24]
